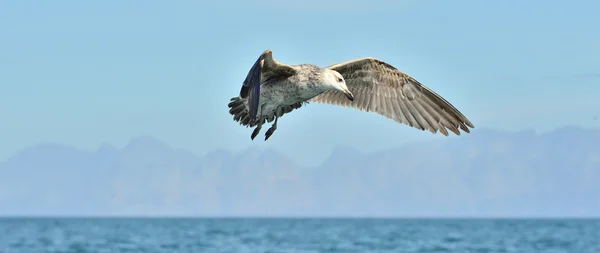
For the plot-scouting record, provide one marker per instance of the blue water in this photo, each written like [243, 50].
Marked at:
[297, 235]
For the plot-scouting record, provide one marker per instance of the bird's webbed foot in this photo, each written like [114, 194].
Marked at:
[271, 129]
[269, 133]
[256, 131]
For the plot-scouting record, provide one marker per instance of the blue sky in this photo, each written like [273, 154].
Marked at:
[88, 72]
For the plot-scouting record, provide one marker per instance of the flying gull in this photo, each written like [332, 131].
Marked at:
[272, 89]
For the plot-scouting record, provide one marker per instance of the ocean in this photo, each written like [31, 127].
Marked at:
[233, 235]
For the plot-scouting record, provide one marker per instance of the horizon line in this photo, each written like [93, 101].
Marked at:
[299, 217]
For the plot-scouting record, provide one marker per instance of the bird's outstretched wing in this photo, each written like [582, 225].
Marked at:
[380, 88]
[264, 69]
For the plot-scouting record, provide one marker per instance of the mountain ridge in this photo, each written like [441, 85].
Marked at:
[486, 173]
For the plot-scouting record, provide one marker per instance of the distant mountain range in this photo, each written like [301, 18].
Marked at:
[486, 173]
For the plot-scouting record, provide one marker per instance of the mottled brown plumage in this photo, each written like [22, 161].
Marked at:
[272, 89]
[380, 88]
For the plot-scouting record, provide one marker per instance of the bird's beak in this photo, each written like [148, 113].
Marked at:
[349, 95]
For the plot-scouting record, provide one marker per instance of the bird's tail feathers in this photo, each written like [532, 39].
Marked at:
[238, 107]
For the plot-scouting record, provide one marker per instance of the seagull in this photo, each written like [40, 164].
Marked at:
[272, 89]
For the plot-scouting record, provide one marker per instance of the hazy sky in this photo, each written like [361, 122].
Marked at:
[88, 72]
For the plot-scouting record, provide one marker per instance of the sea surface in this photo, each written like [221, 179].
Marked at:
[31, 235]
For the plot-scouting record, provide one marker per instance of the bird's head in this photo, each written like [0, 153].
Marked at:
[335, 81]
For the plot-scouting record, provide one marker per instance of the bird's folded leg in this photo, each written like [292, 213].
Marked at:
[271, 129]
[256, 119]
[256, 130]
[274, 126]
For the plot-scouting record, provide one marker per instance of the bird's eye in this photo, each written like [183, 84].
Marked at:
[339, 80]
